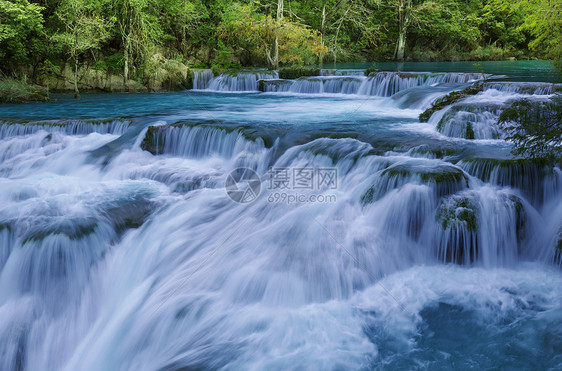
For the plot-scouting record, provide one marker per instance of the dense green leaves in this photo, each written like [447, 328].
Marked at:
[535, 127]
[136, 37]
[21, 31]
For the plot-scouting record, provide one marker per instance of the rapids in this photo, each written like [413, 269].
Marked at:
[120, 248]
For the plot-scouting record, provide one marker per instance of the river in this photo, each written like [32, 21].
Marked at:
[256, 223]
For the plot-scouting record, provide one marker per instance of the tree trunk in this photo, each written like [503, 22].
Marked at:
[322, 28]
[76, 91]
[400, 46]
[403, 15]
[275, 57]
[340, 21]
[126, 63]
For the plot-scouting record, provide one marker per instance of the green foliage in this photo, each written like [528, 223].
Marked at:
[49, 69]
[535, 127]
[114, 62]
[542, 19]
[254, 34]
[21, 32]
[135, 38]
[296, 72]
[19, 91]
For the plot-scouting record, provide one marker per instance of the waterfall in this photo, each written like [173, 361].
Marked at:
[240, 81]
[470, 121]
[382, 84]
[373, 238]
[70, 127]
[201, 78]
[204, 141]
[524, 87]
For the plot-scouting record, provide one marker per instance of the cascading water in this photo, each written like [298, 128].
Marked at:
[120, 248]
[240, 81]
[202, 78]
[381, 84]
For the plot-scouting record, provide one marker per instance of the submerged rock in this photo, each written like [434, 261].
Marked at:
[480, 228]
[450, 99]
[274, 85]
[471, 121]
[455, 212]
[444, 178]
[458, 217]
[533, 177]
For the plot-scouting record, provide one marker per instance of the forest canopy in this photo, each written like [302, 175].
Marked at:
[131, 37]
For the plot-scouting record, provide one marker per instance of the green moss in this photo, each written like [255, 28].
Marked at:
[369, 196]
[149, 141]
[512, 163]
[450, 99]
[469, 131]
[75, 231]
[371, 71]
[291, 73]
[442, 175]
[449, 176]
[457, 211]
[396, 172]
[439, 152]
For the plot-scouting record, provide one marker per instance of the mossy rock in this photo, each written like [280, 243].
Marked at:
[450, 99]
[74, 229]
[527, 175]
[512, 163]
[291, 73]
[371, 71]
[444, 179]
[440, 152]
[456, 212]
[439, 175]
[150, 142]
[154, 142]
[520, 217]
[263, 84]
[131, 214]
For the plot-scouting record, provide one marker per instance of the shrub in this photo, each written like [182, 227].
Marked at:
[19, 91]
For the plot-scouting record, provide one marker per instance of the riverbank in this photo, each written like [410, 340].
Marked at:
[174, 76]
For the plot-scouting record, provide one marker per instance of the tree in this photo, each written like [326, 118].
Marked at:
[543, 20]
[272, 51]
[178, 18]
[138, 28]
[21, 26]
[404, 9]
[278, 40]
[535, 127]
[84, 31]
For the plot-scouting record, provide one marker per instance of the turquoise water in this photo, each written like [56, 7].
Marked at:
[512, 70]
[123, 248]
